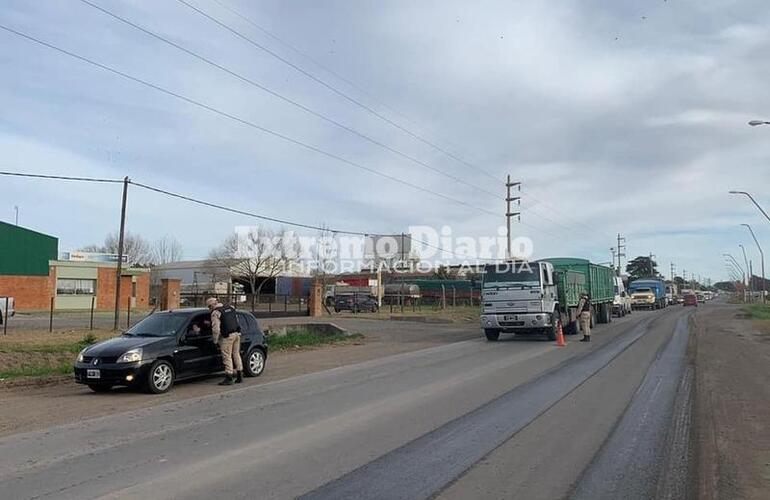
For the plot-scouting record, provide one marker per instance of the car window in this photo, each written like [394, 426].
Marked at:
[243, 322]
[159, 325]
[252, 323]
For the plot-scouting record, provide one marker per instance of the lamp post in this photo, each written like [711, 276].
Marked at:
[748, 272]
[753, 201]
[762, 257]
[742, 272]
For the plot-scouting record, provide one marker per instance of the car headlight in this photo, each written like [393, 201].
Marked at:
[81, 354]
[131, 356]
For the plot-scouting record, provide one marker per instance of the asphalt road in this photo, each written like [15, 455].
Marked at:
[473, 419]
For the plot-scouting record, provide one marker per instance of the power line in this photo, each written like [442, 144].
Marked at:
[242, 121]
[283, 97]
[336, 74]
[59, 177]
[285, 221]
[334, 89]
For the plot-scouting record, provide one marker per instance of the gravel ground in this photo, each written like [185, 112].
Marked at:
[733, 404]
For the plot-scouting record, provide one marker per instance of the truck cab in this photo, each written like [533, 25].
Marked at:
[519, 297]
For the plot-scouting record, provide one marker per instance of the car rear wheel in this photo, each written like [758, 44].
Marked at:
[160, 377]
[100, 388]
[254, 364]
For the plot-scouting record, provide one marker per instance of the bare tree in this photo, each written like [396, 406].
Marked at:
[167, 249]
[137, 250]
[257, 256]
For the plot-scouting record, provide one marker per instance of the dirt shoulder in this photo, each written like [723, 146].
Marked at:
[733, 404]
[28, 407]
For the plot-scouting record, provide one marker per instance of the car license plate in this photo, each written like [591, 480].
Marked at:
[510, 318]
[93, 374]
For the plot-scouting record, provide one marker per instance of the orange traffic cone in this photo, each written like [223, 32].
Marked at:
[560, 337]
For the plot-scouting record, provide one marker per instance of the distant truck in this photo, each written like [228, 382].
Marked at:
[6, 304]
[622, 303]
[537, 297]
[649, 293]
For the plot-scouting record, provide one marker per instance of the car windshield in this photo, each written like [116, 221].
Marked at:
[158, 325]
[512, 275]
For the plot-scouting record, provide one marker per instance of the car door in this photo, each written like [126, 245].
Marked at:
[196, 352]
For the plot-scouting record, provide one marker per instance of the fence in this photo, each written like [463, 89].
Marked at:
[72, 319]
[262, 306]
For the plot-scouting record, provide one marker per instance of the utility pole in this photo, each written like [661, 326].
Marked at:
[119, 270]
[508, 213]
[612, 249]
[621, 250]
[652, 268]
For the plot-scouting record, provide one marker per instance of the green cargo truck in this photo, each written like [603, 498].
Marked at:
[599, 283]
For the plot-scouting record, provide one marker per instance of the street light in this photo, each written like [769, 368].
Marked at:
[754, 123]
[761, 255]
[748, 270]
[753, 201]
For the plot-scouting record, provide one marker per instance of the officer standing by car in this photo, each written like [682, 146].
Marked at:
[584, 306]
[227, 334]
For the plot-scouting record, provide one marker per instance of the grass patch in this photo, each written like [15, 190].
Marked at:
[40, 358]
[302, 337]
[757, 311]
[37, 371]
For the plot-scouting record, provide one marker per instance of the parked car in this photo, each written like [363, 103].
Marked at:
[6, 303]
[691, 300]
[356, 303]
[622, 303]
[163, 348]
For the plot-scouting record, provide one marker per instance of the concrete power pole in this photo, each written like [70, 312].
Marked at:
[508, 213]
[620, 251]
[652, 268]
[119, 270]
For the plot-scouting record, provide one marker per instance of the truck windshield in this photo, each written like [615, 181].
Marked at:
[504, 275]
[643, 290]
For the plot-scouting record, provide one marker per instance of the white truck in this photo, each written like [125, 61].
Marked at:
[622, 303]
[6, 306]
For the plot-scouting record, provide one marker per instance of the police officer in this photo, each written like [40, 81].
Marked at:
[227, 334]
[584, 306]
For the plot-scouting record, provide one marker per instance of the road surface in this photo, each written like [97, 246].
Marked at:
[519, 418]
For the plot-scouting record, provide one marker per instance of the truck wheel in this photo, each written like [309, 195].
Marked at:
[555, 323]
[492, 335]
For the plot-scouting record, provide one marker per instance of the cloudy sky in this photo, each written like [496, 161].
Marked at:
[618, 117]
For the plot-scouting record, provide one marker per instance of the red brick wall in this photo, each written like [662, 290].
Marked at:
[29, 292]
[142, 291]
[105, 293]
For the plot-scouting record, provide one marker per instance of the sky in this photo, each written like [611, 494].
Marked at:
[617, 117]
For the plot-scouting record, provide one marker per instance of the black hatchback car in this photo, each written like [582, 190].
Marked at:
[165, 347]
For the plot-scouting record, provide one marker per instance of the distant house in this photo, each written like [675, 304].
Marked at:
[31, 273]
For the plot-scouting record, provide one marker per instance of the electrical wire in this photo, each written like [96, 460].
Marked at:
[335, 90]
[336, 74]
[284, 98]
[60, 177]
[243, 121]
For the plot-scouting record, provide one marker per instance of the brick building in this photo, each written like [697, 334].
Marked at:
[31, 273]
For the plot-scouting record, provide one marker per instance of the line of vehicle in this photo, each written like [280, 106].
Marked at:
[426, 465]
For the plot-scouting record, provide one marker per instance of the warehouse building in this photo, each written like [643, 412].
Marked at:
[31, 272]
